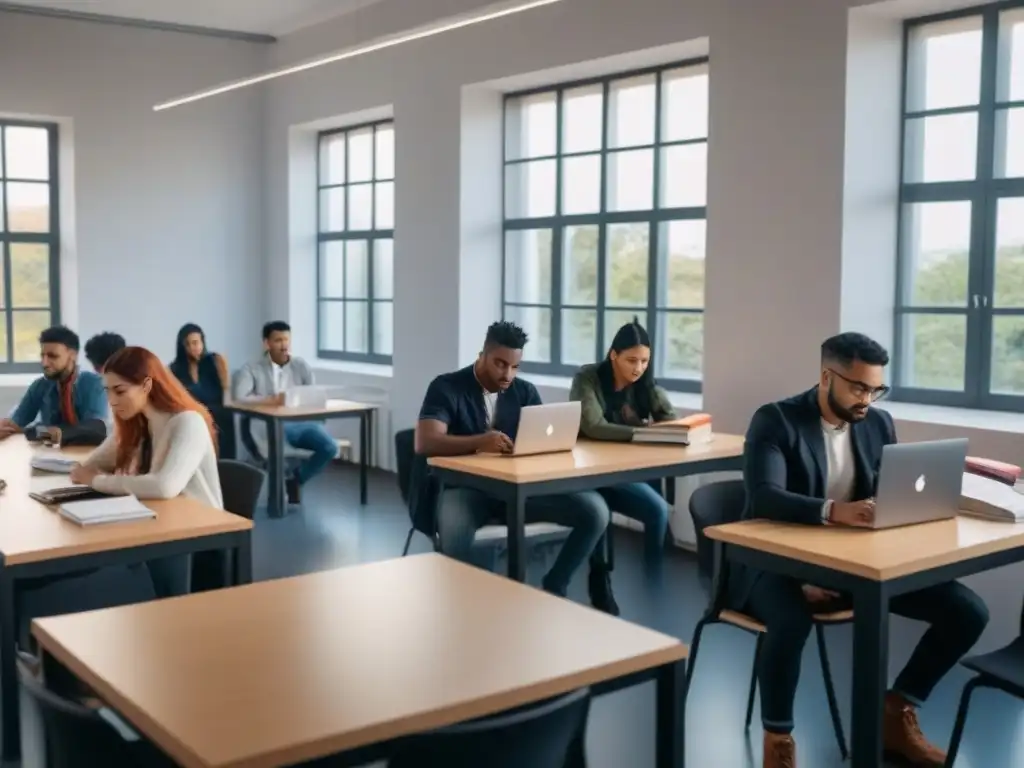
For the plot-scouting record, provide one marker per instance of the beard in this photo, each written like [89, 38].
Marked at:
[849, 415]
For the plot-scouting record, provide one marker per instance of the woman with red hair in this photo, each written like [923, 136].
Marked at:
[162, 446]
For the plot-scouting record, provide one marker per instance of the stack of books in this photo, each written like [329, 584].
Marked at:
[111, 509]
[991, 499]
[690, 430]
[992, 469]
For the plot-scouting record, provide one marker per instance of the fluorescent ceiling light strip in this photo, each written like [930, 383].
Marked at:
[388, 42]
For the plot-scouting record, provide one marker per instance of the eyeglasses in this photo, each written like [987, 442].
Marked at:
[860, 389]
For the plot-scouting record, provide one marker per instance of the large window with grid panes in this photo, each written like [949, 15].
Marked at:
[605, 217]
[355, 259]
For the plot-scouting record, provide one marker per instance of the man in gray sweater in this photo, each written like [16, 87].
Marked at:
[265, 381]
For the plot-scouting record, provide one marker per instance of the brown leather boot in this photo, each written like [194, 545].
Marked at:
[779, 750]
[902, 737]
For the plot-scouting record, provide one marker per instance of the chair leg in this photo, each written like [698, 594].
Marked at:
[830, 691]
[408, 542]
[961, 720]
[691, 662]
[753, 680]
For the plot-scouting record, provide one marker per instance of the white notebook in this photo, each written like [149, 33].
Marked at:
[53, 462]
[991, 499]
[112, 509]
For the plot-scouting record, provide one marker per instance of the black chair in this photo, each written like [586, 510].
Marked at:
[1002, 670]
[241, 485]
[545, 735]
[717, 504]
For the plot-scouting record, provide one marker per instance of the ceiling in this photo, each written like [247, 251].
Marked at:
[266, 17]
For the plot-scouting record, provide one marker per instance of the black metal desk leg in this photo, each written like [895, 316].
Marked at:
[870, 671]
[364, 453]
[277, 501]
[242, 560]
[670, 744]
[11, 732]
[516, 522]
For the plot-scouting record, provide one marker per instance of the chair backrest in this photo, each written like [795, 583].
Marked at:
[539, 736]
[241, 484]
[714, 504]
[405, 454]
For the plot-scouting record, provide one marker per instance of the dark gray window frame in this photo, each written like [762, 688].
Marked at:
[51, 239]
[370, 236]
[984, 193]
[558, 223]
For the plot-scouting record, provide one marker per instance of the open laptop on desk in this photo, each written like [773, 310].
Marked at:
[547, 428]
[919, 482]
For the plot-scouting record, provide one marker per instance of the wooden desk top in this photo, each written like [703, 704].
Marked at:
[31, 532]
[589, 457]
[282, 671]
[333, 408]
[879, 555]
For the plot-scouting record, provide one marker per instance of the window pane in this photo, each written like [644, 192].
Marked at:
[530, 189]
[383, 269]
[27, 327]
[385, 152]
[3, 295]
[1, 207]
[530, 126]
[528, 266]
[684, 104]
[616, 319]
[1010, 72]
[626, 274]
[684, 176]
[356, 269]
[384, 205]
[383, 330]
[683, 244]
[536, 321]
[28, 207]
[30, 275]
[332, 210]
[360, 154]
[360, 207]
[680, 345]
[581, 184]
[3, 343]
[579, 336]
[936, 252]
[356, 330]
[944, 64]
[942, 148]
[1008, 157]
[1007, 355]
[631, 111]
[582, 118]
[631, 180]
[332, 270]
[1009, 254]
[934, 348]
[579, 265]
[332, 326]
[332, 159]
[26, 153]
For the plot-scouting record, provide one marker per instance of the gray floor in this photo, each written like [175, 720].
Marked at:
[332, 530]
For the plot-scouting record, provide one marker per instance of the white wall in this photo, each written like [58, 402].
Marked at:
[166, 206]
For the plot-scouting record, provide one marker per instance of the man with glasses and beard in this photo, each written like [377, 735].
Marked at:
[813, 459]
[66, 406]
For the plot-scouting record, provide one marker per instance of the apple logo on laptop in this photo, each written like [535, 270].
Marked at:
[550, 430]
[919, 484]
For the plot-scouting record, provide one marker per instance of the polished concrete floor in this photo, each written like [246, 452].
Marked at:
[332, 530]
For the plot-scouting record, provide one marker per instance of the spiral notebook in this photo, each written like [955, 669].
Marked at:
[112, 509]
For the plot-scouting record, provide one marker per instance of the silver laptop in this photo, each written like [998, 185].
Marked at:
[547, 428]
[919, 482]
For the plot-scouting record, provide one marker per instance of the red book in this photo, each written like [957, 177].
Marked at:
[996, 470]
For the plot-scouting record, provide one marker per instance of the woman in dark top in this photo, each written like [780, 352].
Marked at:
[616, 396]
[205, 376]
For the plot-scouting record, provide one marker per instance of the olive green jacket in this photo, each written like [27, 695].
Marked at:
[586, 387]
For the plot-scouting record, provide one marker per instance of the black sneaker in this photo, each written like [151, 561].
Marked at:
[599, 585]
[293, 490]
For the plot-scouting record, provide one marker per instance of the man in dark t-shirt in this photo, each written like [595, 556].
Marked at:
[476, 409]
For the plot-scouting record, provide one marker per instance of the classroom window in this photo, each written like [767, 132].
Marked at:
[29, 241]
[355, 259]
[605, 217]
[960, 284]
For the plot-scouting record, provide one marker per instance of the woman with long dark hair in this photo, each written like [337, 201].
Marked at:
[205, 375]
[616, 396]
[163, 446]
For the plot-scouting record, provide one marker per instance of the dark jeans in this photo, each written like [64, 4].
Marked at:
[640, 502]
[172, 576]
[956, 617]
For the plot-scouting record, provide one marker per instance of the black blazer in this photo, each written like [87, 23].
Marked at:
[784, 467]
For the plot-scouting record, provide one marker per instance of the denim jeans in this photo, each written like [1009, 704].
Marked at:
[311, 436]
[640, 502]
[463, 511]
